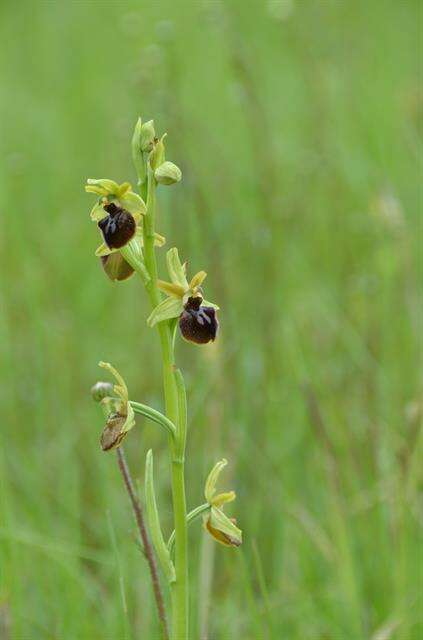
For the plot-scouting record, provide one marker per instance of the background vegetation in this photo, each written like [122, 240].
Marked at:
[298, 127]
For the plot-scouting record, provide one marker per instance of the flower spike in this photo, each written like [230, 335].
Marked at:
[118, 213]
[220, 527]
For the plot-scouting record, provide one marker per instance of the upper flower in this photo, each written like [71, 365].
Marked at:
[197, 317]
[122, 419]
[222, 528]
[117, 213]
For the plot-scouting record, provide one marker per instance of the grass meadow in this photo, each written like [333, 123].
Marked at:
[298, 128]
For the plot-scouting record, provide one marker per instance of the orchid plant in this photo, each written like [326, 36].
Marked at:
[126, 221]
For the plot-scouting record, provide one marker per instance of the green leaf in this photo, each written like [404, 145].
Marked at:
[167, 309]
[154, 522]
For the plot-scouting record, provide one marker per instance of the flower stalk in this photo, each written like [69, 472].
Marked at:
[177, 445]
[127, 223]
[148, 549]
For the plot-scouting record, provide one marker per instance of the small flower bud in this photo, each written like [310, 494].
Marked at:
[118, 227]
[168, 173]
[197, 323]
[147, 136]
[116, 267]
[157, 155]
[137, 154]
[114, 432]
[101, 390]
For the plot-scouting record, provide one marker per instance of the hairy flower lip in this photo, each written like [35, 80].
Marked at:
[198, 323]
[118, 227]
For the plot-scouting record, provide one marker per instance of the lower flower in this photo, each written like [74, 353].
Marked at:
[114, 431]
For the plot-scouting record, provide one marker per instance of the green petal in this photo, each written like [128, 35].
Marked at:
[222, 498]
[97, 212]
[123, 189]
[120, 388]
[167, 309]
[197, 280]
[171, 289]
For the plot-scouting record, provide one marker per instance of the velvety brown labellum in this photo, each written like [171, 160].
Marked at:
[198, 323]
[118, 227]
[112, 435]
[116, 266]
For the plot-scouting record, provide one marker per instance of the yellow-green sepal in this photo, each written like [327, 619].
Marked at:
[166, 310]
[133, 203]
[223, 529]
[175, 268]
[101, 186]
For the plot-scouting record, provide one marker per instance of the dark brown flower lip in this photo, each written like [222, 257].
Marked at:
[118, 227]
[193, 303]
[198, 323]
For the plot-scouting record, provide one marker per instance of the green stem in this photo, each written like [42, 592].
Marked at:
[193, 515]
[176, 445]
[154, 416]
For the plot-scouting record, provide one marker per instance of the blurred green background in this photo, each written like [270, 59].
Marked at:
[298, 128]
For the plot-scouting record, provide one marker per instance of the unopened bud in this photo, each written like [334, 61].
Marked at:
[137, 156]
[157, 156]
[147, 136]
[101, 390]
[168, 173]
